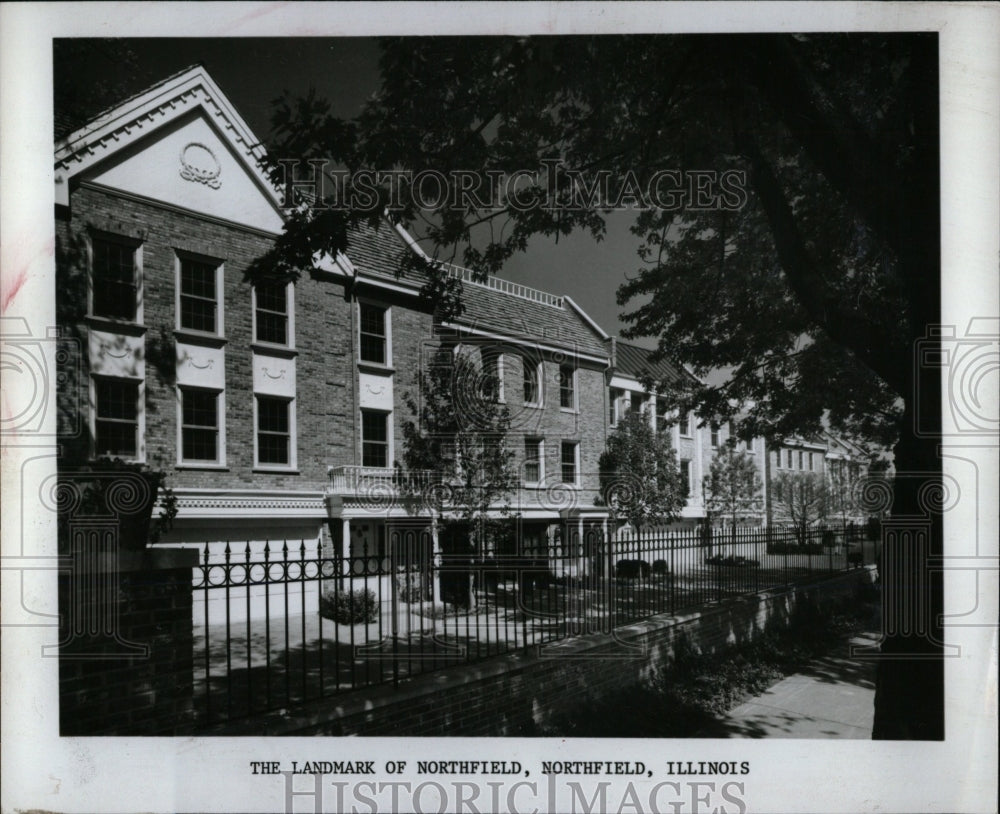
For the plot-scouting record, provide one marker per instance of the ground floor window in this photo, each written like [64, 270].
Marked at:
[116, 424]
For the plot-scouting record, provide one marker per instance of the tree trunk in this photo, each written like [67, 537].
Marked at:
[909, 691]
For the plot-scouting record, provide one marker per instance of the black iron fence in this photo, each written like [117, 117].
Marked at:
[280, 625]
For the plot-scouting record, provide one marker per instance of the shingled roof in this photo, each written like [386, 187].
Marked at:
[631, 360]
[497, 306]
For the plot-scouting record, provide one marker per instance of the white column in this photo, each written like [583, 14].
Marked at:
[345, 544]
[436, 562]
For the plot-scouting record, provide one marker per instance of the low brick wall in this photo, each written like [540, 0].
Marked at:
[126, 657]
[516, 694]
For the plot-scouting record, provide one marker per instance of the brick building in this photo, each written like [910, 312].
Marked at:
[276, 411]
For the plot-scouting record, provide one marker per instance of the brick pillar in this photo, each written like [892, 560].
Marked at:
[146, 688]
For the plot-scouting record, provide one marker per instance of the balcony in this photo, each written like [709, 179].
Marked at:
[369, 483]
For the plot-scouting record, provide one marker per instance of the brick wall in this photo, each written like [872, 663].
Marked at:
[107, 685]
[516, 695]
[324, 400]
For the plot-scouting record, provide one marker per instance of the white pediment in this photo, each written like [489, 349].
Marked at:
[181, 143]
[191, 167]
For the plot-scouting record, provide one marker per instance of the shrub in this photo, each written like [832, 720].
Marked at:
[349, 607]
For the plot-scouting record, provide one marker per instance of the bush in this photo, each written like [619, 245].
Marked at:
[349, 607]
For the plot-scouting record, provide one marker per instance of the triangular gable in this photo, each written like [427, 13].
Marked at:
[180, 143]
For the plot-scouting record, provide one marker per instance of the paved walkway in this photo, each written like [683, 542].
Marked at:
[831, 697]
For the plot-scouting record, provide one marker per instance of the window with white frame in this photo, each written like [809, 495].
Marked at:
[684, 421]
[788, 459]
[199, 425]
[715, 437]
[662, 415]
[567, 387]
[686, 477]
[533, 460]
[114, 278]
[272, 312]
[531, 374]
[812, 462]
[636, 402]
[493, 375]
[800, 459]
[274, 431]
[116, 417]
[568, 460]
[199, 293]
[374, 333]
[374, 439]
[615, 396]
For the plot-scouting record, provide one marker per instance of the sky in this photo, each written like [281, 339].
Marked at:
[254, 72]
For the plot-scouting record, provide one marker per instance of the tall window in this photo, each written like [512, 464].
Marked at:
[788, 459]
[532, 388]
[492, 376]
[374, 337]
[568, 461]
[636, 401]
[662, 417]
[199, 296]
[271, 312]
[374, 439]
[113, 280]
[116, 425]
[685, 423]
[567, 387]
[199, 425]
[615, 396]
[274, 432]
[715, 437]
[686, 477]
[532, 460]
[812, 462]
[800, 460]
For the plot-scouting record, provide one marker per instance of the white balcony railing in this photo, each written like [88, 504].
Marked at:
[367, 480]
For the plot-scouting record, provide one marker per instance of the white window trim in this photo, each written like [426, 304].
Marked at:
[388, 332]
[124, 240]
[290, 303]
[140, 446]
[541, 462]
[539, 382]
[575, 407]
[690, 477]
[292, 464]
[390, 455]
[576, 464]
[220, 407]
[613, 404]
[220, 294]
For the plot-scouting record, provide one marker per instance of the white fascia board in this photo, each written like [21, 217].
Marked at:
[586, 318]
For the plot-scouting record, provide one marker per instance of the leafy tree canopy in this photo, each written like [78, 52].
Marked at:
[641, 482]
[732, 486]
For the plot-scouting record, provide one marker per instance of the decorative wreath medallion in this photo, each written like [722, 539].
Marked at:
[198, 163]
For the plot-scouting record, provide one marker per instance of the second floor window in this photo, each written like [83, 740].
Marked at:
[615, 398]
[374, 337]
[271, 312]
[567, 387]
[662, 415]
[116, 424]
[199, 425]
[715, 437]
[686, 477]
[532, 388]
[568, 461]
[532, 460]
[113, 280]
[374, 439]
[199, 296]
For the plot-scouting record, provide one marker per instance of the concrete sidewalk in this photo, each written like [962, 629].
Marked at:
[831, 697]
